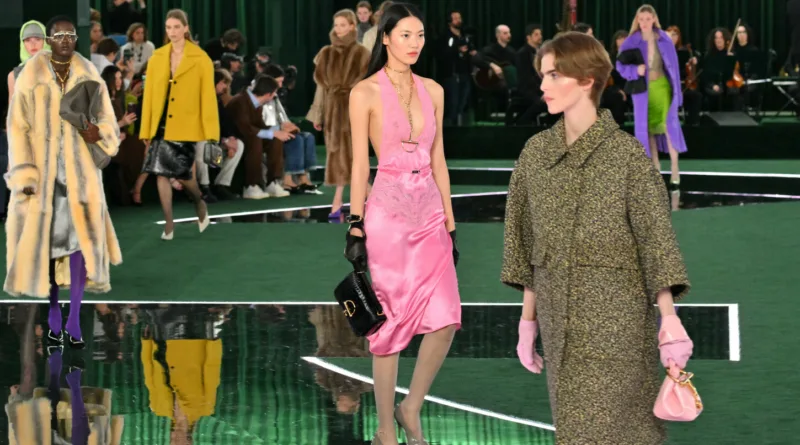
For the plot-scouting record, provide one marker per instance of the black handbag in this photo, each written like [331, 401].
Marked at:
[633, 57]
[359, 303]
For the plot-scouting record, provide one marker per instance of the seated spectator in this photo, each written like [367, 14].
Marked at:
[116, 91]
[230, 42]
[246, 110]
[139, 47]
[300, 153]
[234, 64]
[107, 51]
[96, 35]
[231, 145]
[105, 54]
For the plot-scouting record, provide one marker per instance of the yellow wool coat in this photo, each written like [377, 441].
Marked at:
[35, 133]
[588, 228]
[192, 113]
[195, 368]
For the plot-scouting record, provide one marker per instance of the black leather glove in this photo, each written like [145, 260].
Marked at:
[455, 247]
[356, 251]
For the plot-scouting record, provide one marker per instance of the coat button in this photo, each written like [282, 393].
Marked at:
[172, 100]
[170, 116]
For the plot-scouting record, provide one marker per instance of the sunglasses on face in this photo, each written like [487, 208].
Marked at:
[62, 36]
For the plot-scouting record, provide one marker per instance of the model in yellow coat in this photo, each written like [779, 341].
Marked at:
[179, 113]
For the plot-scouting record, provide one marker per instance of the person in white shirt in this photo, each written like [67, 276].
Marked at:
[139, 47]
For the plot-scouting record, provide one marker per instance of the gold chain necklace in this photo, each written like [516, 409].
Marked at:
[408, 110]
[62, 80]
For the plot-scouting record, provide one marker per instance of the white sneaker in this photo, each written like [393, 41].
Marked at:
[275, 189]
[254, 192]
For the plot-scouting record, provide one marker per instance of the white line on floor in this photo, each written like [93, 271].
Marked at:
[471, 409]
[664, 172]
[747, 195]
[274, 303]
[733, 332]
[326, 206]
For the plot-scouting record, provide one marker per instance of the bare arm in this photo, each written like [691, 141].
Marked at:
[528, 304]
[666, 302]
[359, 128]
[438, 163]
[10, 86]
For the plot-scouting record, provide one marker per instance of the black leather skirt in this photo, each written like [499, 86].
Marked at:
[170, 159]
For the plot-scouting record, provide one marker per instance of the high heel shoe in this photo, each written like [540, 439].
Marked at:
[55, 339]
[75, 343]
[410, 440]
[203, 224]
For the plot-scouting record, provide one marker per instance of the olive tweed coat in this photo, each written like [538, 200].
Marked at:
[588, 228]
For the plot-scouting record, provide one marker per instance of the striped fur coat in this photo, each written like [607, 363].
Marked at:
[30, 422]
[35, 133]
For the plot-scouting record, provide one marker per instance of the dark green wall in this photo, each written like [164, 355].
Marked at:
[296, 29]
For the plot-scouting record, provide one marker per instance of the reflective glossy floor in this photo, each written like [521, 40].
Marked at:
[267, 374]
[490, 207]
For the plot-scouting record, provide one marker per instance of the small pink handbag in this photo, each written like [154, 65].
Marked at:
[678, 399]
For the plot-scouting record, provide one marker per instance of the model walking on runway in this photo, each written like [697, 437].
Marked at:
[588, 240]
[407, 234]
[58, 232]
[655, 111]
[179, 114]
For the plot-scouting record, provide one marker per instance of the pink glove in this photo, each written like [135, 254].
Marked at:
[673, 342]
[526, 347]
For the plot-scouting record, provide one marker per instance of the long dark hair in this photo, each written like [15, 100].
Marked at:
[391, 16]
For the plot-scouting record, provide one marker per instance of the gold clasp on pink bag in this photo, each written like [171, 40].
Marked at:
[678, 399]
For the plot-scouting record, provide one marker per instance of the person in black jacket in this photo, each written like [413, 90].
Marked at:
[614, 97]
[454, 51]
[529, 93]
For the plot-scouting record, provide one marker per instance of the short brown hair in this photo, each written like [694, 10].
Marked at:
[133, 28]
[579, 56]
[233, 35]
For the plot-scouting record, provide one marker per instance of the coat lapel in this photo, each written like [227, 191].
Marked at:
[579, 152]
[191, 54]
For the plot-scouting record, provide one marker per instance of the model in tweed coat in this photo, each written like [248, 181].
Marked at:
[588, 229]
[35, 134]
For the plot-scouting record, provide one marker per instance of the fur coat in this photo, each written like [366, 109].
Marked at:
[35, 133]
[30, 422]
[339, 67]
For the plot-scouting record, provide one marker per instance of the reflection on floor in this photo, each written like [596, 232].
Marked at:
[488, 208]
[237, 375]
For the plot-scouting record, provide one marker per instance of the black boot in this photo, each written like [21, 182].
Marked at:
[208, 197]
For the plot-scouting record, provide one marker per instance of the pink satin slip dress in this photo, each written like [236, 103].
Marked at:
[409, 250]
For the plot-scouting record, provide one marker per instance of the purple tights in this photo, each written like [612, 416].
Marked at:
[77, 268]
[80, 423]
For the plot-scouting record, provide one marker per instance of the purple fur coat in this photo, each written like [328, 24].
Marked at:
[671, 68]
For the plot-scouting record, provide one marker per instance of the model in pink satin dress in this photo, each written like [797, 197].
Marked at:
[409, 250]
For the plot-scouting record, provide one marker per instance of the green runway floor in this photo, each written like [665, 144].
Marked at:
[272, 262]
[780, 166]
[746, 255]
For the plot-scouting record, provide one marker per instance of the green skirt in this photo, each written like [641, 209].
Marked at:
[659, 98]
